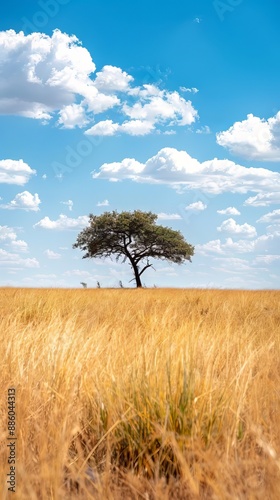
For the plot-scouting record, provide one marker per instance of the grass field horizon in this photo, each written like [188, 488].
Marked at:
[142, 393]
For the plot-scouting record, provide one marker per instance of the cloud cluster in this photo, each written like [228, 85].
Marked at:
[232, 264]
[179, 170]
[266, 259]
[19, 246]
[8, 259]
[54, 76]
[63, 222]
[164, 216]
[112, 79]
[229, 246]
[229, 211]
[42, 73]
[193, 90]
[132, 127]
[50, 254]
[69, 204]
[9, 237]
[7, 233]
[197, 206]
[153, 107]
[205, 129]
[231, 226]
[104, 203]
[271, 217]
[15, 172]
[24, 201]
[253, 138]
[263, 199]
[159, 105]
[267, 244]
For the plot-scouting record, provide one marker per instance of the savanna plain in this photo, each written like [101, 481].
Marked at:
[142, 394]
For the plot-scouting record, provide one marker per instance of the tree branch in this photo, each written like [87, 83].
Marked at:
[144, 268]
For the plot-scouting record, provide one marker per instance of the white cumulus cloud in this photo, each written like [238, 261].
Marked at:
[194, 90]
[52, 255]
[104, 203]
[7, 233]
[164, 216]
[205, 129]
[42, 73]
[231, 226]
[266, 259]
[15, 172]
[9, 236]
[232, 264]
[162, 107]
[132, 127]
[8, 259]
[112, 79]
[263, 199]
[266, 244]
[137, 127]
[24, 201]
[228, 247]
[197, 206]
[55, 77]
[69, 204]
[254, 138]
[273, 217]
[178, 169]
[229, 211]
[273, 228]
[19, 246]
[73, 115]
[105, 127]
[63, 222]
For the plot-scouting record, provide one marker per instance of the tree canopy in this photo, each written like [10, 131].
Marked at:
[132, 236]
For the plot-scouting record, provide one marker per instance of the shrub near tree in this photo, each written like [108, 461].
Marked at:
[134, 237]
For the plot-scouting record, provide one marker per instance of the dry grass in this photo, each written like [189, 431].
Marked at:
[157, 393]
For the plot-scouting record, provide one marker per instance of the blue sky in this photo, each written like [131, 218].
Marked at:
[170, 107]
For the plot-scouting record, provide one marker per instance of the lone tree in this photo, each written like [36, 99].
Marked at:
[132, 236]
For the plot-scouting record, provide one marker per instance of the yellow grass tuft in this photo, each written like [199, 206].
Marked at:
[149, 394]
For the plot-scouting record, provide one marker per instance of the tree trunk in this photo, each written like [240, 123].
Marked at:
[135, 270]
[137, 277]
[136, 274]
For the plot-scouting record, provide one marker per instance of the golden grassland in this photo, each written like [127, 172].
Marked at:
[149, 394]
